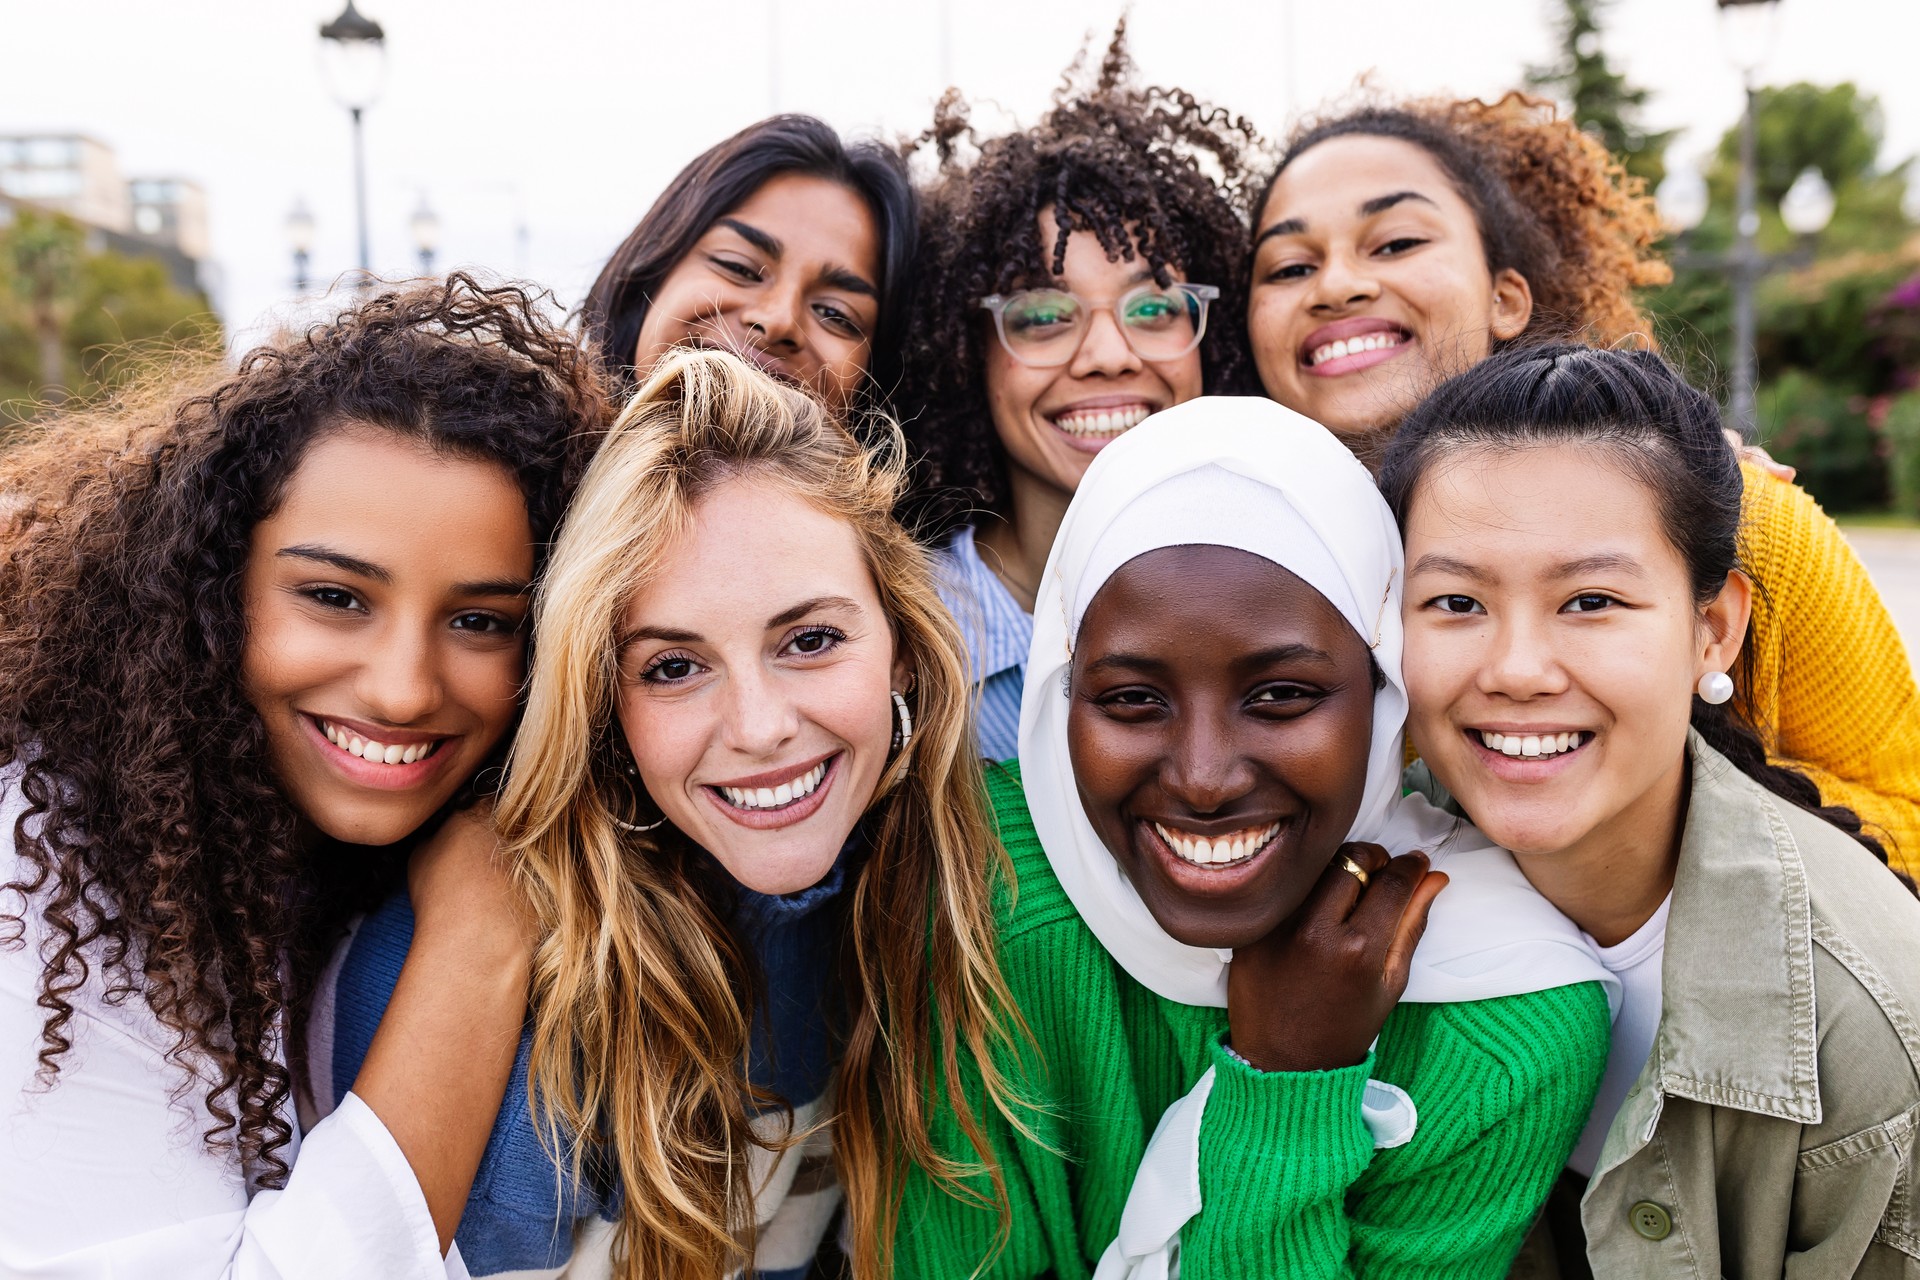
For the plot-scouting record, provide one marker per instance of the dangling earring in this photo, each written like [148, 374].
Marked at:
[1715, 687]
[903, 722]
[632, 774]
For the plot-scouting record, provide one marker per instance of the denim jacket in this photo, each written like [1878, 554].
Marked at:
[1772, 1131]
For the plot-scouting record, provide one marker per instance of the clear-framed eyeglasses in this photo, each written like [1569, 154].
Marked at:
[1044, 328]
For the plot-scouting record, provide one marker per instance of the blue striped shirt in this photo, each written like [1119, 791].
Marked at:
[998, 633]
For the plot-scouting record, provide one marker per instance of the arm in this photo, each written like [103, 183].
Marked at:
[1832, 689]
[439, 1063]
[104, 1174]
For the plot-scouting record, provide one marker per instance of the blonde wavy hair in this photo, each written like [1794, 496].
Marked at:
[640, 996]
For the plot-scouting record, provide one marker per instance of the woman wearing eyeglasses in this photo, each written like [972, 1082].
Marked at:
[1076, 277]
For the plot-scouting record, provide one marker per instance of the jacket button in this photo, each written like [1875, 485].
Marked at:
[1650, 1220]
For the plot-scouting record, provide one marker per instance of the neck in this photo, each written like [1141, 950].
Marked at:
[1016, 549]
[1612, 880]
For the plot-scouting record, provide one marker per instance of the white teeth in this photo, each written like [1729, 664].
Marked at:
[1102, 422]
[1353, 346]
[1222, 850]
[775, 797]
[375, 752]
[1531, 746]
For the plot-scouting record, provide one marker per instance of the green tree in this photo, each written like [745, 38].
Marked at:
[77, 321]
[1602, 100]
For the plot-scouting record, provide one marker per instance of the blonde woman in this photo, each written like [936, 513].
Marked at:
[745, 804]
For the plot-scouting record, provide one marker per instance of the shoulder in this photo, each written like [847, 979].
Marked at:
[1866, 938]
[1786, 535]
[1032, 911]
[1512, 1045]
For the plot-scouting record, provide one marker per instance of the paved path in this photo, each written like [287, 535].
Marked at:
[1893, 558]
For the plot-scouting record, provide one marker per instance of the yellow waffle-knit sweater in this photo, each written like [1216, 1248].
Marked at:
[1831, 690]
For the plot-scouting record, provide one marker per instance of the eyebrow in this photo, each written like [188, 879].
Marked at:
[1603, 562]
[838, 277]
[755, 237]
[1368, 208]
[367, 569]
[1380, 204]
[338, 560]
[1291, 652]
[675, 635]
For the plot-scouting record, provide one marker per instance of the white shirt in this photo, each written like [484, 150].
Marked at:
[104, 1176]
[1636, 962]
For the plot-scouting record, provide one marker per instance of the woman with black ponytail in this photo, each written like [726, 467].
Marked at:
[1574, 606]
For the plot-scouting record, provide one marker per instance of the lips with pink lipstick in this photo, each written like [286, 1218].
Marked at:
[1092, 425]
[778, 797]
[1348, 346]
[378, 756]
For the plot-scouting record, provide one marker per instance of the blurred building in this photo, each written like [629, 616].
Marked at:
[157, 217]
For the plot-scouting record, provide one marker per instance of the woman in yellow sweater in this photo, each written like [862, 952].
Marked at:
[1399, 245]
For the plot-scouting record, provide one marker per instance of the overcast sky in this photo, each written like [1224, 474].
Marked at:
[568, 117]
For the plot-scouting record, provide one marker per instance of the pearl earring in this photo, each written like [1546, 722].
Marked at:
[1715, 687]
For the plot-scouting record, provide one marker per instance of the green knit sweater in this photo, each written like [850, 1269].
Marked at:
[1291, 1182]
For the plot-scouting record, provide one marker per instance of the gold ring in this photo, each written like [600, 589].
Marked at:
[1354, 869]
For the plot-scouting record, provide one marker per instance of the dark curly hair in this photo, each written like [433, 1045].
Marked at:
[1153, 172]
[1667, 434]
[156, 844]
[718, 181]
[1550, 201]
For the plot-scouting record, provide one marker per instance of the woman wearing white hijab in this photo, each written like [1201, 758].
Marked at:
[1241, 1063]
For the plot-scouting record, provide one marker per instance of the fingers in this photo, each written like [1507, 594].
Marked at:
[1380, 912]
[1413, 926]
[1338, 889]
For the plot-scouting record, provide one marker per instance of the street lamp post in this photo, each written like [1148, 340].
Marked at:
[1747, 26]
[353, 53]
[300, 240]
[425, 225]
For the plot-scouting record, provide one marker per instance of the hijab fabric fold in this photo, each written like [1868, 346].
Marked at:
[1249, 474]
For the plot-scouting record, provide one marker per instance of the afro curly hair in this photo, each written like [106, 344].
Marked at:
[1152, 172]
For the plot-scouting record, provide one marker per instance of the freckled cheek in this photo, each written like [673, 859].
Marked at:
[666, 742]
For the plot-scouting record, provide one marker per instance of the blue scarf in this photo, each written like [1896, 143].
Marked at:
[519, 1216]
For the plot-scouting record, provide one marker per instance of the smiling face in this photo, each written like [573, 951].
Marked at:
[1221, 715]
[385, 601]
[1052, 421]
[754, 685]
[789, 279]
[1553, 645]
[1371, 287]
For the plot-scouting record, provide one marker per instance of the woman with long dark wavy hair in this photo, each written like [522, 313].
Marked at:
[257, 639]
[783, 244]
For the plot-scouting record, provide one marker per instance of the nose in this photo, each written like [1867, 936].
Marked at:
[1520, 663]
[1205, 770]
[400, 681]
[1344, 280]
[776, 313]
[1103, 351]
[760, 716]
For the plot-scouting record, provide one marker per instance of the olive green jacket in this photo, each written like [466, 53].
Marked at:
[1772, 1131]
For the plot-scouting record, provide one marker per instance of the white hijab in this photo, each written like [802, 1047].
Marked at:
[1250, 474]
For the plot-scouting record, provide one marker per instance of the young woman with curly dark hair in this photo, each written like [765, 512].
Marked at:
[256, 643]
[1398, 245]
[1075, 277]
[783, 244]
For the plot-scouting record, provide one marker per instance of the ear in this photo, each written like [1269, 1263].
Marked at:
[1723, 624]
[1512, 304]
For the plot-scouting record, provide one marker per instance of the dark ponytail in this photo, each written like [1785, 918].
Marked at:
[1664, 433]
